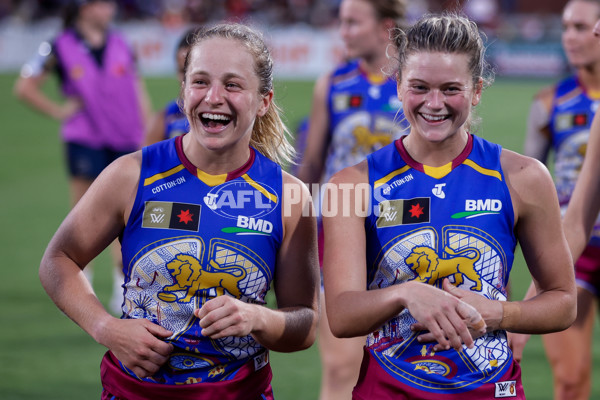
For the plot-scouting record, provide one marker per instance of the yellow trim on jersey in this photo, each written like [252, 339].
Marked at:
[481, 170]
[261, 189]
[438, 172]
[376, 79]
[211, 180]
[594, 94]
[389, 176]
[162, 175]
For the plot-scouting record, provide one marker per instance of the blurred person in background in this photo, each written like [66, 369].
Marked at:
[559, 121]
[171, 121]
[584, 206]
[355, 111]
[105, 107]
[484, 13]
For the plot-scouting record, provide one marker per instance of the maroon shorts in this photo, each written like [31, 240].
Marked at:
[247, 384]
[587, 270]
[374, 382]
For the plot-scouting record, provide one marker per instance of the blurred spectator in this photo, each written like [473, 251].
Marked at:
[507, 20]
[237, 9]
[483, 12]
[6, 8]
[274, 12]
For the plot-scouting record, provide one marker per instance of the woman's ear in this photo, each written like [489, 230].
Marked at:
[477, 92]
[266, 103]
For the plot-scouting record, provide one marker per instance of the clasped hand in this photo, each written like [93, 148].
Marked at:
[449, 315]
[139, 344]
[226, 316]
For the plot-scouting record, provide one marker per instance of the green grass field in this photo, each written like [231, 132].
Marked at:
[43, 355]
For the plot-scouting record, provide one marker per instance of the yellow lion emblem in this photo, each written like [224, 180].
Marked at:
[430, 268]
[190, 278]
[367, 140]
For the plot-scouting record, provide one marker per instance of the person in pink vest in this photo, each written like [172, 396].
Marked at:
[105, 105]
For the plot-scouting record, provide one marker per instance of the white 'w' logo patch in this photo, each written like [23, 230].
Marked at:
[390, 216]
[506, 389]
[157, 218]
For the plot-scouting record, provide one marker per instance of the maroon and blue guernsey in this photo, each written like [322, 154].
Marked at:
[457, 222]
[192, 237]
[365, 115]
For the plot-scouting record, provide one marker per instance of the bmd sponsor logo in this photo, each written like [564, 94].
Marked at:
[254, 200]
[250, 226]
[479, 207]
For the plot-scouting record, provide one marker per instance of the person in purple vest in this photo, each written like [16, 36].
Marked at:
[105, 102]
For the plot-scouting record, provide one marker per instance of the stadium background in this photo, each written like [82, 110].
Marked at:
[43, 355]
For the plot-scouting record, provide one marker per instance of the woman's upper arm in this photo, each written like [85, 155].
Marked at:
[344, 231]
[537, 137]
[24, 85]
[297, 274]
[318, 128]
[584, 205]
[101, 214]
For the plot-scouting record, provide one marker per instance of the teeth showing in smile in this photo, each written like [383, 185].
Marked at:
[434, 118]
[216, 117]
[214, 121]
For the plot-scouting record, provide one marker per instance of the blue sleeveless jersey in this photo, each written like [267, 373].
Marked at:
[427, 224]
[191, 237]
[176, 123]
[570, 120]
[365, 115]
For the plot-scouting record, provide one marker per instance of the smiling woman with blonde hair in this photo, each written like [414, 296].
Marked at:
[206, 230]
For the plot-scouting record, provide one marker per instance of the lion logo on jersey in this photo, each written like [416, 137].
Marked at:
[367, 141]
[190, 277]
[430, 268]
